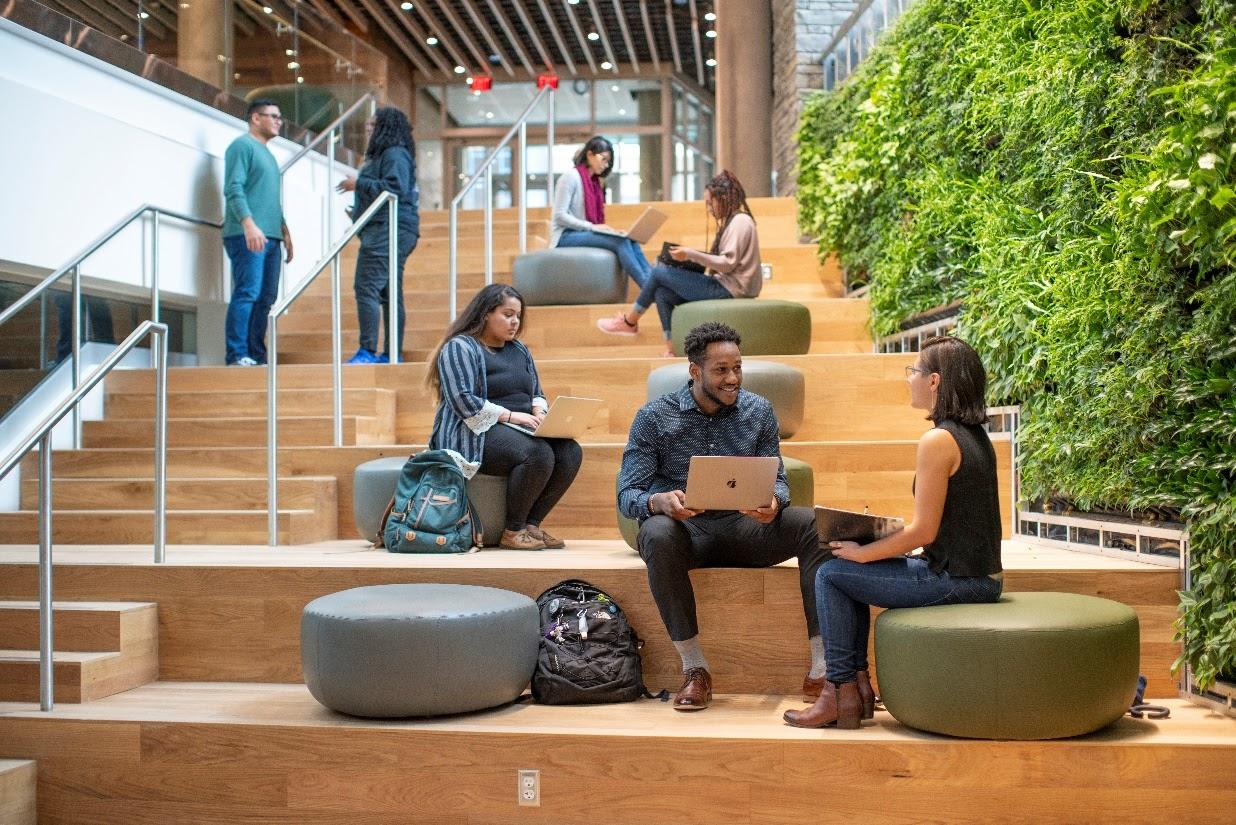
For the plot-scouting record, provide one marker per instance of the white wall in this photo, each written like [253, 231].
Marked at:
[84, 143]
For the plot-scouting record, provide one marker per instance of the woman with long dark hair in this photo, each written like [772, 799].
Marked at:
[390, 165]
[956, 522]
[579, 210]
[730, 269]
[485, 380]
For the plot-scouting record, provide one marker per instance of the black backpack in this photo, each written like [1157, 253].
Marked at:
[589, 654]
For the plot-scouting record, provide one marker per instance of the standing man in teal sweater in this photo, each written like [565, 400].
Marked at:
[253, 229]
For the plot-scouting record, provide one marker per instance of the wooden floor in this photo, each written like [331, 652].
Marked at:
[244, 753]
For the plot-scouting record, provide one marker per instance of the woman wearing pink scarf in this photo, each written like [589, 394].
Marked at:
[579, 210]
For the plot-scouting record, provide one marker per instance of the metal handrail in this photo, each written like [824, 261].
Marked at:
[388, 200]
[42, 436]
[521, 128]
[74, 265]
[841, 36]
[330, 129]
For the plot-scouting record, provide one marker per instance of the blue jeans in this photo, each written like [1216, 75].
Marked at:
[844, 590]
[255, 284]
[669, 286]
[630, 256]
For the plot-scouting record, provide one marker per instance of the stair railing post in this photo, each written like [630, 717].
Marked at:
[489, 224]
[154, 277]
[549, 148]
[523, 186]
[159, 348]
[330, 176]
[77, 351]
[452, 268]
[336, 354]
[272, 436]
[394, 335]
[46, 688]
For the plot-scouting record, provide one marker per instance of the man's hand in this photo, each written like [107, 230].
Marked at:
[765, 514]
[672, 504]
[348, 184]
[848, 550]
[287, 244]
[255, 239]
[528, 422]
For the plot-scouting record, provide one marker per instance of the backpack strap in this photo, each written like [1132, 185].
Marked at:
[379, 540]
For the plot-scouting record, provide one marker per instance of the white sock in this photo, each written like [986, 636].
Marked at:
[692, 654]
[817, 657]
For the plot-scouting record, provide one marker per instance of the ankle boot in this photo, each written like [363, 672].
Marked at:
[838, 705]
[865, 694]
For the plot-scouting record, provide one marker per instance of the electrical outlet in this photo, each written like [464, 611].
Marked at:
[529, 788]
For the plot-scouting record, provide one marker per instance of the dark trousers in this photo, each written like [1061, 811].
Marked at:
[372, 288]
[672, 549]
[538, 471]
[255, 285]
[669, 286]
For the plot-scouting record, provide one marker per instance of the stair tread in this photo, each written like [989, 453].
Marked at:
[82, 657]
[117, 607]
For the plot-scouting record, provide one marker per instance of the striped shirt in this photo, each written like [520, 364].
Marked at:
[465, 412]
[669, 430]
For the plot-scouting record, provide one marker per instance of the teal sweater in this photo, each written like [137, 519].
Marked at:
[251, 188]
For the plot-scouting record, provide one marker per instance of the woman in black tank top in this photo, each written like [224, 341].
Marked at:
[956, 522]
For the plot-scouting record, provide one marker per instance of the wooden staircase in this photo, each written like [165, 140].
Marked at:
[18, 789]
[101, 648]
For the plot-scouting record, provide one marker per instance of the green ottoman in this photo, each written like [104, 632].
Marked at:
[782, 385]
[1031, 666]
[802, 494]
[767, 326]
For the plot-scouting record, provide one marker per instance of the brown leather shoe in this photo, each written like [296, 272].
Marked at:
[551, 542]
[838, 705]
[812, 687]
[520, 540]
[696, 690]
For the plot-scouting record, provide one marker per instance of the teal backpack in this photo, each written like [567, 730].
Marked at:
[430, 511]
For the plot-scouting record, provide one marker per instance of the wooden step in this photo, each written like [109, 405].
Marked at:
[299, 493]
[100, 648]
[183, 526]
[372, 402]
[210, 379]
[18, 792]
[234, 432]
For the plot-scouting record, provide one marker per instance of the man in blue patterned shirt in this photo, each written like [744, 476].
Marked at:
[711, 415]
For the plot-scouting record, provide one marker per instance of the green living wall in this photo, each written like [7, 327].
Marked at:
[1067, 170]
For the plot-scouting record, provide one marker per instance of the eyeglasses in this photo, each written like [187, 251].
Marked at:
[911, 369]
[271, 116]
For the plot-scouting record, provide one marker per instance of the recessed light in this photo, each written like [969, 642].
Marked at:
[710, 33]
[489, 115]
[293, 64]
[300, 80]
[459, 70]
[614, 88]
[268, 10]
[710, 16]
[431, 41]
[606, 65]
[593, 36]
[289, 52]
[622, 111]
[468, 80]
[406, 6]
[143, 14]
[710, 62]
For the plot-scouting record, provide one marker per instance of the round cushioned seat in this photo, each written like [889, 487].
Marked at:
[373, 484]
[397, 650]
[1031, 666]
[781, 384]
[569, 275]
[767, 326]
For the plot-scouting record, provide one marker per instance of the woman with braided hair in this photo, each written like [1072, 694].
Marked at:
[390, 165]
[731, 268]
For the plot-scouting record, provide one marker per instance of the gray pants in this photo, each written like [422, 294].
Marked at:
[672, 549]
[372, 287]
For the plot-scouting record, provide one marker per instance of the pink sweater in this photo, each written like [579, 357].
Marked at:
[737, 266]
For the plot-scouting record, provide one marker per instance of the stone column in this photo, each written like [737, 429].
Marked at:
[203, 34]
[744, 92]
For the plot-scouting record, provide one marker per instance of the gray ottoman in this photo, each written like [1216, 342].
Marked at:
[418, 649]
[782, 385]
[569, 275]
[373, 484]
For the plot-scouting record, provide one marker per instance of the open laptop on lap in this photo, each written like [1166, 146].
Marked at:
[568, 417]
[645, 226]
[846, 525]
[726, 482]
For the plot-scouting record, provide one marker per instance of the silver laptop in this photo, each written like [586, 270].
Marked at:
[568, 417]
[727, 482]
[645, 226]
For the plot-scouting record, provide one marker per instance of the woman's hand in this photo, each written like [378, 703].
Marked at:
[680, 253]
[604, 227]
[528, 422]
[848, 550]
[348, 184]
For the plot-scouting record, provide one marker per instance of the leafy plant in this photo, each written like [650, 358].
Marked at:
[1068, 170]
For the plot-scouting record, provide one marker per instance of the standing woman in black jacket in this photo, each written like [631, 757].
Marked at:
[390, 165]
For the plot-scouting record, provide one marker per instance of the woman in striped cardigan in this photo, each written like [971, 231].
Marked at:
[485, 379]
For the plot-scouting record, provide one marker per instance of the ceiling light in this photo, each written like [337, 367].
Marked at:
[593, 36]
[475, 93]
[710, 16]
[614, 88]
[710, 62]
[459, 70]
[293, 64]
[406, 6]
[489, 115]
[300, 80]
[710, 33]
[606, 65]
[289, 52]
[268, 10]
[573, 2]
[468, 80]
[431, 41]
[143, 14]
[622, 111]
